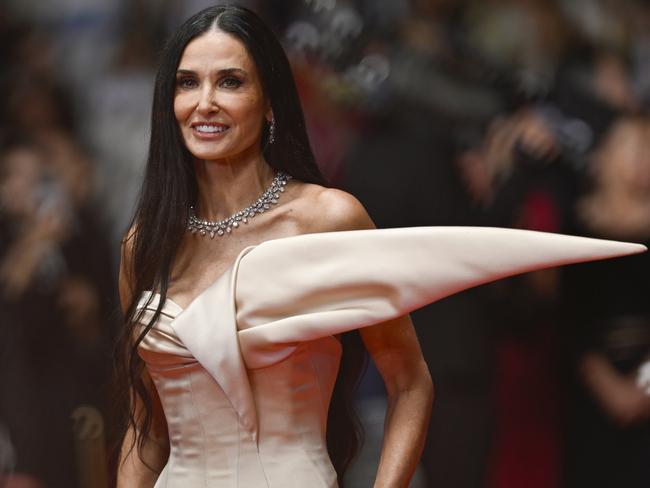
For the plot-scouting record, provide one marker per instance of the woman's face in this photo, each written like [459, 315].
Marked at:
[219, 103]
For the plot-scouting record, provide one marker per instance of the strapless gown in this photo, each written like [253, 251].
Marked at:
[245, 373]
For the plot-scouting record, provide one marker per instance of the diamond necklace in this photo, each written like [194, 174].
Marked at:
[226, 226]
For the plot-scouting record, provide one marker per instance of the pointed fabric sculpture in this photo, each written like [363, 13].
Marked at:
[286, 291]
[306, 287]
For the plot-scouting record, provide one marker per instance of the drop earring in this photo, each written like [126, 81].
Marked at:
[272, 132]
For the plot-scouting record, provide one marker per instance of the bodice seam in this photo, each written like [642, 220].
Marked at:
[316, 380]
[318, 386]
[200, 420]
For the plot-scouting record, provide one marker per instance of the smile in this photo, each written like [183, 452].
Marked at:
[209, 131]
[210, 128]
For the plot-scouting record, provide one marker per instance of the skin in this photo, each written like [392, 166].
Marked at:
[231, 173]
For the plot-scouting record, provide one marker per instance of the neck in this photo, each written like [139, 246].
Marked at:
[227, 186]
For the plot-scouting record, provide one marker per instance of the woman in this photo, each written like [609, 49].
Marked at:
[236, 110]
[237, 315]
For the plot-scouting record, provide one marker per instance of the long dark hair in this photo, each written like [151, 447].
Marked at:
[168, 190]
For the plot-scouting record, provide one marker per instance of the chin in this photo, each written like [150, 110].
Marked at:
[207, 153]
[207, 156]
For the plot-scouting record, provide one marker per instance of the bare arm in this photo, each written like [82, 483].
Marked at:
[394, 347]
[133, 471]
[395, 350]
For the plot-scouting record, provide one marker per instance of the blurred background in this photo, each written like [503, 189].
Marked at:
[532, 114]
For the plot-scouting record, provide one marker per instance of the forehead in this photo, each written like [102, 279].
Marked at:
[216, 50]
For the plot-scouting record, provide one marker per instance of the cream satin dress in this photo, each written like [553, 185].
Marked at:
[245, 373]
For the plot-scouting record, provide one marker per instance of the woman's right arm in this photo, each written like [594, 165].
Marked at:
[132, 471]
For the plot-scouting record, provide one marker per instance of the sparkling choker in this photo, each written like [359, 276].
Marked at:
[226, 226]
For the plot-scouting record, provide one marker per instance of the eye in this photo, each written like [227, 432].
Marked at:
[186, 82]
[230, 82]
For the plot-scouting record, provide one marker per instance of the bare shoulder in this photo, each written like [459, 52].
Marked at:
[329, 210]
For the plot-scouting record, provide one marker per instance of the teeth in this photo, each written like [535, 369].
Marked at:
[210, 128]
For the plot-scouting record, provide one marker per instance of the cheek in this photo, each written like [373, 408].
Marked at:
[246, 107]
[253, 113]
[182, 107]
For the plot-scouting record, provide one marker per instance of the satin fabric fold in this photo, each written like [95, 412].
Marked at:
[208, 328]
[301, 288]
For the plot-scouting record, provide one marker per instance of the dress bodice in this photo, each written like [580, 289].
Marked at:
[209, 447]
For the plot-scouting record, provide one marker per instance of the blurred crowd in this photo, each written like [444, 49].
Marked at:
[518, 113]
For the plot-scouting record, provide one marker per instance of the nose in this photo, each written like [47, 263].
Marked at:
[207, 102]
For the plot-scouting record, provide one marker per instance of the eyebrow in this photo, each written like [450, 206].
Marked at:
[221, 72]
